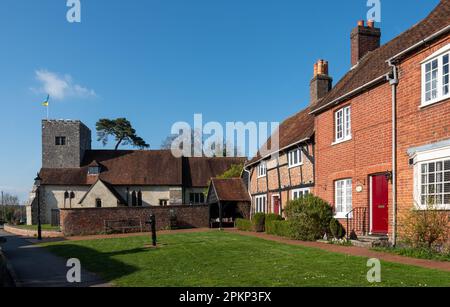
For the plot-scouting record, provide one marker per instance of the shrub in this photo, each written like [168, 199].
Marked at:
[259, 220]
[272, 217]
[426, 228]
[336, 229]
[279, 228]
[244, 225]
[310, 218]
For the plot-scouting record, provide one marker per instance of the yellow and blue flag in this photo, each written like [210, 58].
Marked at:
[45, 103]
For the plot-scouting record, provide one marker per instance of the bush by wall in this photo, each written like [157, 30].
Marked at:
[244, 225]
[309, 218]
[259, 220]
[279, 228]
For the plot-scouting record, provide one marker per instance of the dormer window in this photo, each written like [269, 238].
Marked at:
[94, 168]
[435, 77]
[60, 140]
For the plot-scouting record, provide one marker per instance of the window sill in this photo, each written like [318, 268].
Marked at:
[341, 141]
[294, 166]
[437, 208]
[433, 102]
[341, 216]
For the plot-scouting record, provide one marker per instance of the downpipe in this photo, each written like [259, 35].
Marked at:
[393, 81]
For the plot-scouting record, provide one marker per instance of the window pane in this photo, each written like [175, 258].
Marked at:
[445, 71]
[447, 187]
[447, 199]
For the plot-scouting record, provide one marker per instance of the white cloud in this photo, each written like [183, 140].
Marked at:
[60, 87]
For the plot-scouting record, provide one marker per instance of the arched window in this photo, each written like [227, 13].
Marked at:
[139, 199]
[133, 199]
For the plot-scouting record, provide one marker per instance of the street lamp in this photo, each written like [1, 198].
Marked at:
[37, 183]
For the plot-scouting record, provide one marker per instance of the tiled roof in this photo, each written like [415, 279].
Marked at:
[374, 64]
[230, 189]
[199, 171]
[142, 167]
[293, 130]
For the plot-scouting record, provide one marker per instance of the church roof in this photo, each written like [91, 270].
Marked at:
[141, 167]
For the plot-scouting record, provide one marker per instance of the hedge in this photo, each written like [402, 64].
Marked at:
[279, 228]
[244, 225]
[273, 217]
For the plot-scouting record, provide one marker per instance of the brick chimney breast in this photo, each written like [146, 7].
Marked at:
[364, 39]
[321, 83]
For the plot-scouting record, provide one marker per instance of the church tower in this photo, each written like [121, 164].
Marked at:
[64, 143]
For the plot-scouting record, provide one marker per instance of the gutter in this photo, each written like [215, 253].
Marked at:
[417, 45]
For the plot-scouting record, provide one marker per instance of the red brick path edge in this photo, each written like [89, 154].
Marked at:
[352, 251]
[347, 250]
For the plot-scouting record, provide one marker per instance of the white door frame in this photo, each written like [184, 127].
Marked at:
[370, 204]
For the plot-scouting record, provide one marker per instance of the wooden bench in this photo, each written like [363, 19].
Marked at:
[123, 226]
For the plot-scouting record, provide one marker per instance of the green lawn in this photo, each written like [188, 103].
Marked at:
[45, 227]
[227, 260]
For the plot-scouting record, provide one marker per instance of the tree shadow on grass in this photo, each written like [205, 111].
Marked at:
[102, 264]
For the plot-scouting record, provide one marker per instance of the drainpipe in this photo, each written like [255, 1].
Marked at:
[393, 81]
[248, 189]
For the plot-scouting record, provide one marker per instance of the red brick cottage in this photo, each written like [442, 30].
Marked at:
[382, 134]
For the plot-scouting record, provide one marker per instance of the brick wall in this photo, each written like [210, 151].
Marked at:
[92, 220]
[417, 126]
[367, 153]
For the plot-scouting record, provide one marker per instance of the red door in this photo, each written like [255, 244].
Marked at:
[276, 205]
[380, 200]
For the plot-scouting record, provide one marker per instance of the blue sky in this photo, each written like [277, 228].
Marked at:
[157, 62]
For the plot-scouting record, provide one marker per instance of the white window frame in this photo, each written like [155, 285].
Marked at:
[291, 158]
[296, 193]
[343, 125]
[262, 169]
[426, 157]
[439, 57]
[347, 192]
[261, 204]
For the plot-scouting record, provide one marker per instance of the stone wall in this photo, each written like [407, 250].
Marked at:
[29, 233]
[92, 220]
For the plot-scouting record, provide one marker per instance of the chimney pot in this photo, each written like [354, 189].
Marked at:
[321, 83]
[364, 40]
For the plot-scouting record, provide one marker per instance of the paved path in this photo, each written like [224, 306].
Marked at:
[353, 251]
[35, 267]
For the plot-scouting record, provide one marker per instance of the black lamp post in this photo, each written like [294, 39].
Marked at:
[37, 183]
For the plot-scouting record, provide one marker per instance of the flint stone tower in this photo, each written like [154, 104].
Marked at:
[64, 143]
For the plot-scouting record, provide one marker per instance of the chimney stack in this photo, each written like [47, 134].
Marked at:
[364, 39]
[321, 83]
